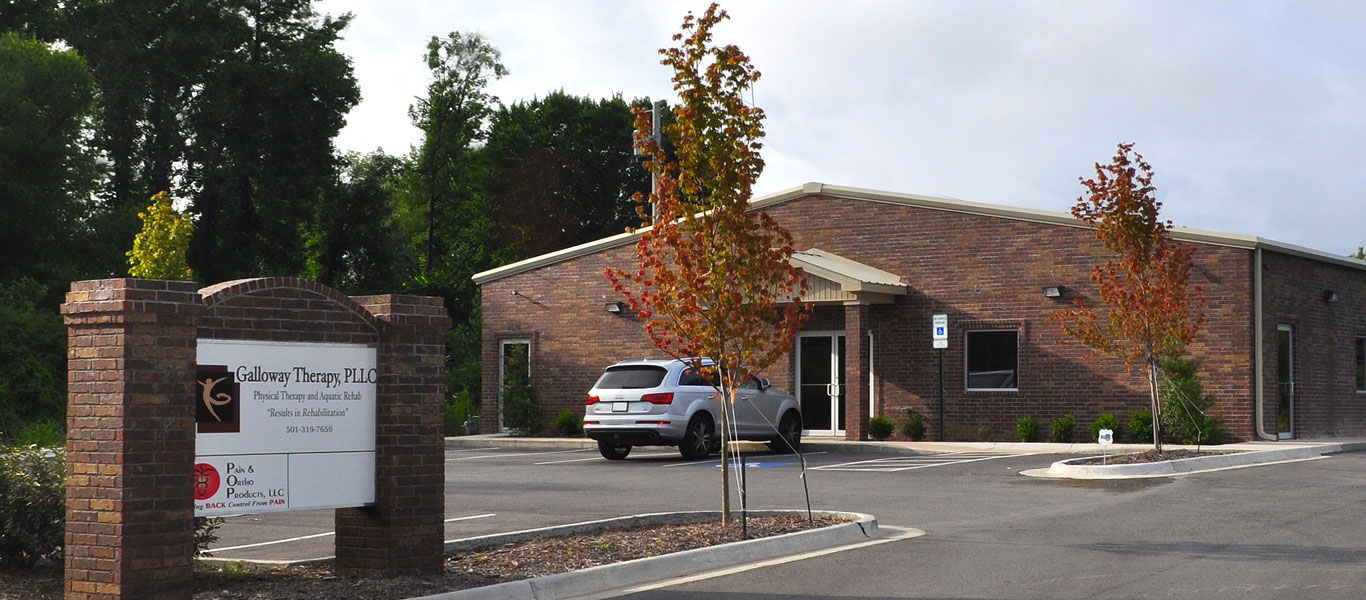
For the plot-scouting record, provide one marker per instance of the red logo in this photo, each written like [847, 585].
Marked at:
[206, 481]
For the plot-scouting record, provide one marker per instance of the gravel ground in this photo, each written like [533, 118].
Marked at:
[470, 569]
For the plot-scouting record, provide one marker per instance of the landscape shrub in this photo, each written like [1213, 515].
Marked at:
[32, 505]
[457, 413]
[521, 404]
[1184, 405]
[569, 423]
[1060, 429]
[1027, 429]
[1105, 421]
[205, 533]
[880, 428]
[913, 426]
[1140, 426]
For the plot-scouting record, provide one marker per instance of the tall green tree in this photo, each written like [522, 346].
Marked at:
[562, 171]
[353, 242]
[47, 168]
[263, 126]
[447, 178]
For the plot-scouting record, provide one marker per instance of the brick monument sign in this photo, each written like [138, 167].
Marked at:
[133, 402]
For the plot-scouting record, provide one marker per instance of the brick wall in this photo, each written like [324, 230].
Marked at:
[982, 271]
[131, 409]
[130, 439]
[1326, 402]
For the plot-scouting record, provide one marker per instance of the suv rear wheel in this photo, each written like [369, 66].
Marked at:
[697, 440]
[612, 451]
[789, 437]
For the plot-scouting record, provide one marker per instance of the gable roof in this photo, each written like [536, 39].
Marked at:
[1184, 234]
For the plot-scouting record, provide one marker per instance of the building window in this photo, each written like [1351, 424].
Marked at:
[1361, 364]
[515, 363]
[992, 359]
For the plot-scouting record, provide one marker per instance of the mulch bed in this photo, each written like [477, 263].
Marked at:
[1146, 457]
[470, 569]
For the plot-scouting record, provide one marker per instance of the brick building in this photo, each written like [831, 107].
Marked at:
[1281, 351]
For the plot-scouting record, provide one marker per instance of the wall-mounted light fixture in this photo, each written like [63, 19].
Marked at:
[614, 307]
[1330, 296]
[1052, 291]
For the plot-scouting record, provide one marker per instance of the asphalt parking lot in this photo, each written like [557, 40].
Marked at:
[497, 490]
[1289, 530]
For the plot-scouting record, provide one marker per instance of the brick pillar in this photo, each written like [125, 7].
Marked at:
[403, 533]
[856, 372]
[130, 438]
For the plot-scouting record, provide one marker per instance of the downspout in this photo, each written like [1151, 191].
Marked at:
[1258, 361]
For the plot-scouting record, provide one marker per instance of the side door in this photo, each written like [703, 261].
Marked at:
[750, 402]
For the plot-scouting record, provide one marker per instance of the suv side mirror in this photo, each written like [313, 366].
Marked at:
[764, 383]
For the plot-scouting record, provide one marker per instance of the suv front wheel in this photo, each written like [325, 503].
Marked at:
[612, 451]
[697, 442]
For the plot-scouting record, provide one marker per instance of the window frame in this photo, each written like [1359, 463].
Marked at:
[967, 351]
[502, 370]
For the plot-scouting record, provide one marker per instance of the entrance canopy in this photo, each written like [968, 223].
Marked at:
[838, 280]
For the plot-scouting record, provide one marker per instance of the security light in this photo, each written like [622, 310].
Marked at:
[614, 307]
[1052, 291]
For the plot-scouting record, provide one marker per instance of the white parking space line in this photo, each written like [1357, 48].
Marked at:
[715, 461]
[327, 533]
[574, 460]
[909, 463]
[455, 450]
[515, 454]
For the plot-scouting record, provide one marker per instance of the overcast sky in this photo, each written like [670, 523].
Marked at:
[1251, 113]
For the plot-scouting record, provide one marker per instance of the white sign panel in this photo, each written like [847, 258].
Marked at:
[940, 324]
[1106, 437]
[283, 426]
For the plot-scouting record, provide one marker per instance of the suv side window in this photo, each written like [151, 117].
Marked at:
[692, 377]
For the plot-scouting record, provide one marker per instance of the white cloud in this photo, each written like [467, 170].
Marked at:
[1250, 113]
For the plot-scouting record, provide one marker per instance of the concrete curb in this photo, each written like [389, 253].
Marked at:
[1069, 470]
[658, 568]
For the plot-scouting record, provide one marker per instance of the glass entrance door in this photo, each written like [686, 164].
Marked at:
[820, 382]
[1285, 382]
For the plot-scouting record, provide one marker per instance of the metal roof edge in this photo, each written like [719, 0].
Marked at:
[1202, 236]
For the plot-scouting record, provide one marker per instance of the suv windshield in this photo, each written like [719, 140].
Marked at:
[631, 377]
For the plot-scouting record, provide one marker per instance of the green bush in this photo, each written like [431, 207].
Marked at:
[1184, 405]
[1060, 429]
[458, 410]
[522, 413]
[32, 505]
[1105, 421]
[880, 428]
[1027, 428]
[913, 426]
[569, 423]
[205, 529]
[1140, 426]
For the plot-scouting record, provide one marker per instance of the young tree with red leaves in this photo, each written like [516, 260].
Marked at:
[712, 278]
[1152, 311]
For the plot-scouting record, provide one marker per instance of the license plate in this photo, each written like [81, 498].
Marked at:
[620, 406]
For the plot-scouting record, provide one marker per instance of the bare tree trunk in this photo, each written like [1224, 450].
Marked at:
[1156, 404]
[725, 443]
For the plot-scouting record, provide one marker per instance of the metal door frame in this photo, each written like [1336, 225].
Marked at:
[836, 368]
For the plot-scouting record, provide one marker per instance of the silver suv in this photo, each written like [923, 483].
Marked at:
[650, 402]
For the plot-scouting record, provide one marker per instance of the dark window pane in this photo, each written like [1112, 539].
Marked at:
[1361, 363]
[631, 377]
[992, 359]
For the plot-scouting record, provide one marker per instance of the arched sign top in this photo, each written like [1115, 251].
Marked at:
[221, 293]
